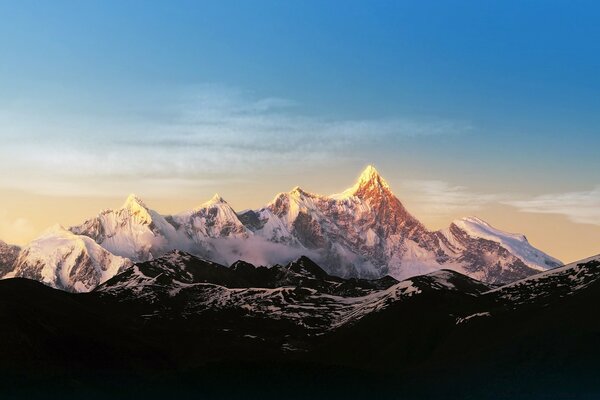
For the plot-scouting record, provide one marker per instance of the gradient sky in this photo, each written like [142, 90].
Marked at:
[466, 107]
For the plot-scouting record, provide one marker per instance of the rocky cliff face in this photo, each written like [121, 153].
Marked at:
[8, 256]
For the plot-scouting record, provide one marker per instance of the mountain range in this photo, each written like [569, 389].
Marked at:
[182, 325]
[364, 232]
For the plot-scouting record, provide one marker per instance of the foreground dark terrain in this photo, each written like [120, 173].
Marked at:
[182, 326]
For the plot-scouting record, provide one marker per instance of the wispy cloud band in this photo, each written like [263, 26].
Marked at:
[215, 133]
[581, 207]
[439, 198]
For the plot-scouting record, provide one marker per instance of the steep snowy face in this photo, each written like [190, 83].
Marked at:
[67, 261]
[491, 255]
[8, 256]
[516, 244]
[133, 231]
[390, 216]
[213, 219]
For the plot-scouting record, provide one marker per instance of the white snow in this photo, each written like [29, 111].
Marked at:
[462, 320]
[67, 261]
[516, 244]
[343, 233]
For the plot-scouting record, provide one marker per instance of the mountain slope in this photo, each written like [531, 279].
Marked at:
[134, 231]
[549, 286]
[63, 260]
[515, 244]
[491, 255]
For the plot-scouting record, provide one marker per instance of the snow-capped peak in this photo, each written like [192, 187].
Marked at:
[299, 192]
[369, 183]
[213, 219]
[136, 207]
[370, 178]
[370, 174]
[216, 199]
[133, 202]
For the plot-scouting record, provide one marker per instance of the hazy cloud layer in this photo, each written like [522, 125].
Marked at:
[214, 134]
[580, 207]
[439, 198]
[14, 227]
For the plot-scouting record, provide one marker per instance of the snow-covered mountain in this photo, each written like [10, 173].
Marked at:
[64, 260]
[8, 256]
[133, 231]
[363, 232]
[213, 219]
[491, 255]
[367, 232]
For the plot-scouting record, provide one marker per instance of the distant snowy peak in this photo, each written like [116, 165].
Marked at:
[133, 231]
[63, 260]
[213, 219]
[516, 244]
[135, 210]
[216, 199]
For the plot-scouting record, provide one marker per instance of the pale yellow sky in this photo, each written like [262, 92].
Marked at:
[24, 215]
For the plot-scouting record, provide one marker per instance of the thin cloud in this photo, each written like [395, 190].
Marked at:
[579, 207]
[441, 198]
[14, 227]
[214, 132]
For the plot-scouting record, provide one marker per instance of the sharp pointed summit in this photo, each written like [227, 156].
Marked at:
[370, 174]
[370, 185]
[213, 219]
[134, 203]
[298, 191]
[216, 199]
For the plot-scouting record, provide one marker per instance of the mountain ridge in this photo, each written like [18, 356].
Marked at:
[443, 327]
[364, 232]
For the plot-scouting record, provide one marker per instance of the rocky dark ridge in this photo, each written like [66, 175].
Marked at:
[180, 323]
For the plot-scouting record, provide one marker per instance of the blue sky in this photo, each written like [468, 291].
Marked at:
[521, 75]
[189, 96]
